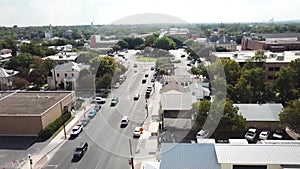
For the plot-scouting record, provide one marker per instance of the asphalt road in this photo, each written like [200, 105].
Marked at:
[108, 142]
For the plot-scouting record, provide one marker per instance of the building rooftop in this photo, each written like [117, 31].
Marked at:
[260, 112]
[65, 56]
[71, 66]
[188, 156]
[258, 154]
[29, 103]
[243, 56]
[177, 100]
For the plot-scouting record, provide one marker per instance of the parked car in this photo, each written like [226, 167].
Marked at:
[85, 122]
[251, 134]
[137, 132]
[152, 68]
[97, 107]
[136, 97]
[80, 150]
[152, 80]
[117, 85]
[114, 101]
[149, 88]
[146, 75]
[125, 121]
[182, 56]
[264, 135]
[202, 134]
[76, 130]
[147, 94]
[100, 100]
[92, 114]
[278, 134]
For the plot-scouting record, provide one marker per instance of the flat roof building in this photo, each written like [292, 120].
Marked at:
[25, 113]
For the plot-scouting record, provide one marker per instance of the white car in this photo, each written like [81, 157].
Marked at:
[251, 134]
[264, 135]
[278, 134]
[202, 134]
[125, 121]
[117, 85]
[137, 132]
[100, 100]
[136, 97]
[76, 130]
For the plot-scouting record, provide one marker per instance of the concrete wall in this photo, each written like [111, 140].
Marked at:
[265, 125]
[20, 125]
[274, 166]
[56, 110]
[226, 166]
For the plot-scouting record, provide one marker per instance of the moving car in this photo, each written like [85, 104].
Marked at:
[76, 130]
[135, 65]
[137, 132]
[152, 68]
[85, 122]
[146, 75]
[100, 100]
[152, 80]
[264, 135]
[114, 101]
[92, 114]
[80, 150]
[144, 81]
[251, 134]
[125, 121]
[136, 97]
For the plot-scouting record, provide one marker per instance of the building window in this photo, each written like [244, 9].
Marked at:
[277, 69]
[66, 75]
[270, 77]
[271, 69]
[57, 74]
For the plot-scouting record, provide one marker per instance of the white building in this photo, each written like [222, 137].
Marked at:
[66, 74]
[6, 78]
[63, 57]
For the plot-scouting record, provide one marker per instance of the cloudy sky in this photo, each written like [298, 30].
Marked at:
[79, 12]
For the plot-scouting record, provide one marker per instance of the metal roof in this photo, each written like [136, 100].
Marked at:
[188, 156]
[177, 101]
[260, 112]
[258, 154]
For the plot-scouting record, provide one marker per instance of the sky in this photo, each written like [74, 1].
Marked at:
[83, 12]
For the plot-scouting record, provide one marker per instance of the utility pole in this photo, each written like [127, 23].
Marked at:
[131, 156]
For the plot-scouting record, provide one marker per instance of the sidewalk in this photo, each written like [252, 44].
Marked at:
[147, 148]
[40, 159]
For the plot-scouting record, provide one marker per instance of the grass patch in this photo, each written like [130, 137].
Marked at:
[62, 127]
[146, 59]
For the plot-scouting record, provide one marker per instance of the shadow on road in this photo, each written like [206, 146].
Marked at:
[16, 142]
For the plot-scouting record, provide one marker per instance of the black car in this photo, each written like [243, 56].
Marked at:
[80, 150]
[152, 68]
[146, 75]
[144, 81]
[114, 101]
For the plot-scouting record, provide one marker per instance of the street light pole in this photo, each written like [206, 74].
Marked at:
[131, 156]
[30, 161]
[62, 112]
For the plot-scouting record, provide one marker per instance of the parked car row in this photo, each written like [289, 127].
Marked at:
[253, 134]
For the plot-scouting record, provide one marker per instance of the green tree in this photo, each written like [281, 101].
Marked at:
[133, 42]
[165, 43]
[291, 114]
[232, 70]
[123, 44]
[149, 40]
[86, 57]
[259, 56]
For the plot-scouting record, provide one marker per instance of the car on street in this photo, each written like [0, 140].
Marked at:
[76, 130]
[152, 80]
[149, 88]
[152, 68]
[117, 85]
[97, 107]
[100, 100]
[144, 81]
[125, 121]
[135, 65]
[137, 132]
[264, 135]
[136, 97]
[251, 134]
[85, 122]
[114, 101]
[278, 134]
[146, 75]
[92, 114]
[80, 150]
